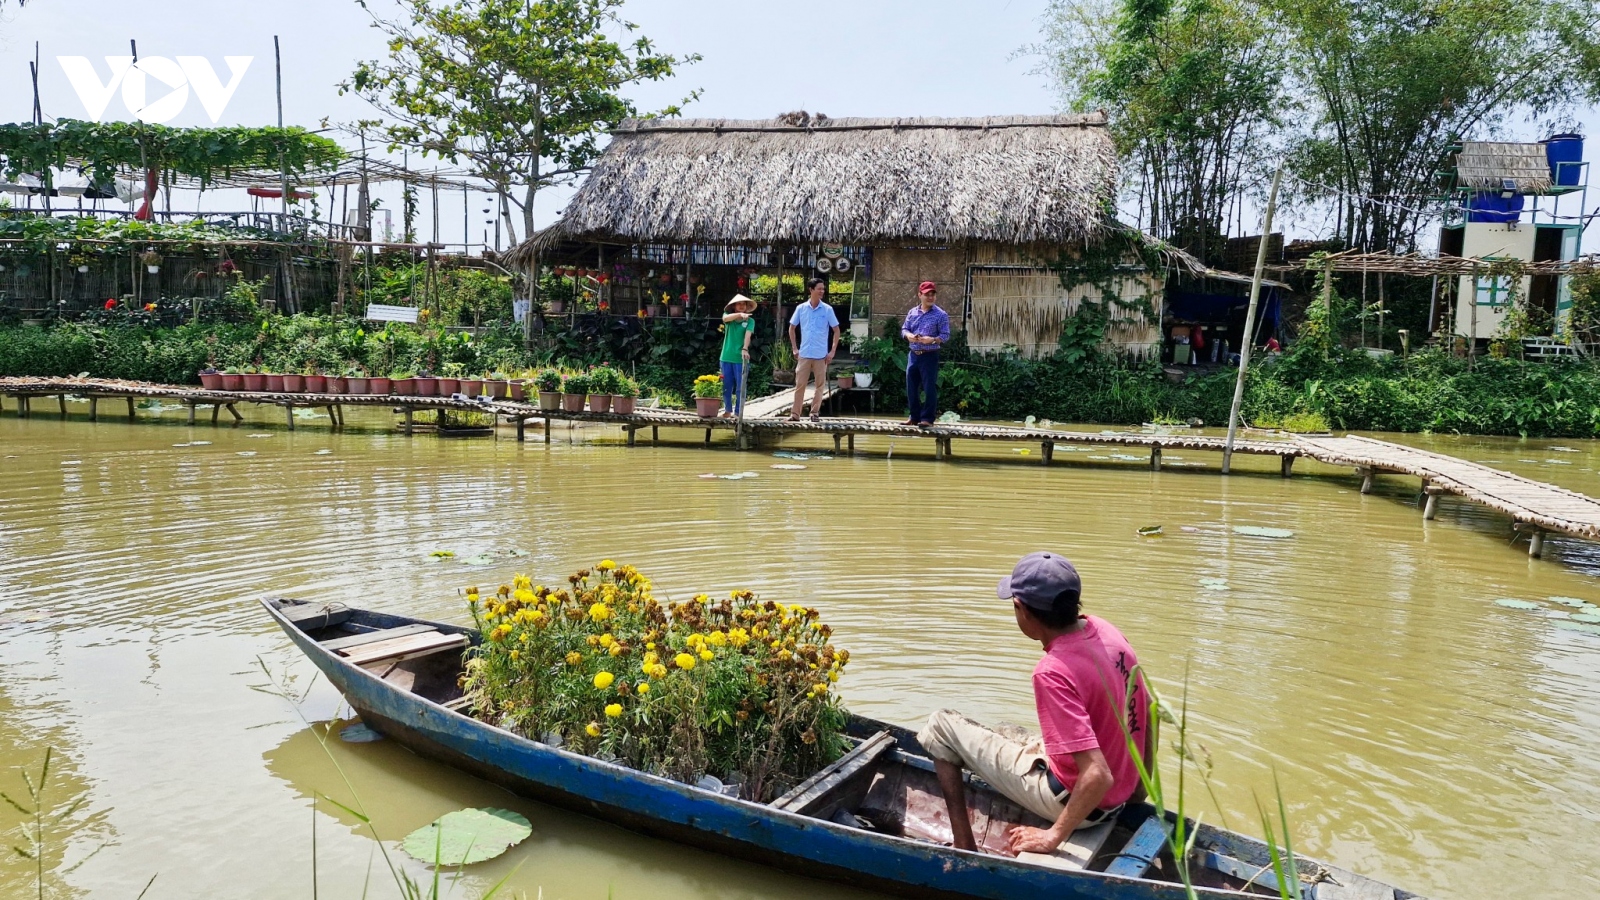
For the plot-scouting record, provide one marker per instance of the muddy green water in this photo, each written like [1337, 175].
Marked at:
[1420, 733]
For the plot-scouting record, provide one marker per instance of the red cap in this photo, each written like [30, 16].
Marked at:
[926, 286]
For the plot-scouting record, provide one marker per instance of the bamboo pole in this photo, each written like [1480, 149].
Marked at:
[1249, 321]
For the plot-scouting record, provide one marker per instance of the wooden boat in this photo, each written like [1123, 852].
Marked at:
[874, 818]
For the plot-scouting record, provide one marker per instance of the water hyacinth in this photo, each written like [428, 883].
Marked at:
[739, 685]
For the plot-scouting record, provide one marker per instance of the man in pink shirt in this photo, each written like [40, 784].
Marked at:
[1090, 699]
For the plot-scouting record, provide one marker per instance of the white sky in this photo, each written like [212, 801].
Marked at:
[860, 58]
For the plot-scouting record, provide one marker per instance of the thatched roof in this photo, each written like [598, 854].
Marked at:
[1484, 166]
[1011, 179]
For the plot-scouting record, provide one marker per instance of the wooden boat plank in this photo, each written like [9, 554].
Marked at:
[1076, 852]
[809, 796]
[1136, 856]
[408, 647]
[368, 637]
[311, 616]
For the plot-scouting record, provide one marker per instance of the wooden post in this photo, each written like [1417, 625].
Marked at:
[22, 406]
[130, 409]
[1155, 458]
[850, 442]
[836, 440]
[232, 411]
[708, 437]
[632, 437]
[1366, 479]
[1536, 544]
[216, 410]
[288, 411]
[191, 412]
[655, 433]
[94, 409]
[63, 399]
[411, 423]
[521, 427]
[1286, 465]
[547, 429]
[938, 448]
[1249, 320]
[1047, 451]
[1430, 507]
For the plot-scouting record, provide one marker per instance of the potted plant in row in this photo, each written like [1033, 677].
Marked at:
[210, 379]
[517, 387]
[496, 386]
[315, 382]
[574, 390]
[548, 383]
[425, 384]
[707, 395]
[273, 383]
[254, 380]
[627, 394]
[450, 379]
[403, 382]
[293, 382]
[604, 381]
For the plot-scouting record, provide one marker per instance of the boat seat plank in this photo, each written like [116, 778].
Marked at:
[399, 649]
[809, 796]
[311, 616]
[1350, 886]
[1142, 849]
[369, 637]
[1076, 852]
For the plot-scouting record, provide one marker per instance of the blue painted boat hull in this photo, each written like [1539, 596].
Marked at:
[674, 811]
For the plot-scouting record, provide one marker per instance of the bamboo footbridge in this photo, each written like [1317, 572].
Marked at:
[1536, 508]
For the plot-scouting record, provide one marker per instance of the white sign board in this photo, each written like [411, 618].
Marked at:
[378, 312]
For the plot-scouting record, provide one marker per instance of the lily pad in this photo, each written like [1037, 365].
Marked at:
[1581, 627]
[1587, 618]
[467, 836]
[246, 453]
[442, 554]
[258, 435]
[1099, 457]
[359, 733]
[1127, 457]
[1214, 584]
[1517, 604]
[738, 476]
[1150, 531]
[788, 467]
[950, 417]
[323, 452]
[1562, 449]
[1262, 531]
[199, 443]
[1573, 602]
[482, 559]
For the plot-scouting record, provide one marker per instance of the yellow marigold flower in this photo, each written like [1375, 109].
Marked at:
[592, 729]
[613, 710]
[816, 626]
[536, 616]
[606, 565]
[833, 676]
[696, 640]
[644, 688]
[523, 638]
[472, 589]
[777, 645]
[650, 645]
[574, 658]
[651, 658]
[706, 655]
[599, 612]
[602, 680]
[616, 649]
[717, 639]
[659, 671]
[784, 654]
[592, 641]
[607, 640]
[820, 687]
[684, 661]
[516, 654]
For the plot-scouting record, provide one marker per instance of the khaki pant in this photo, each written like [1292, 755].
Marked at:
[1010, 766]
[803, 371]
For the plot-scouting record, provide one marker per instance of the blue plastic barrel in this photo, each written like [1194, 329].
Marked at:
[1568, 149]
[1489, 206]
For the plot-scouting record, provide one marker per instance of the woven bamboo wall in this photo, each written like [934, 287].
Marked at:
[1026, 308]
[897, 272]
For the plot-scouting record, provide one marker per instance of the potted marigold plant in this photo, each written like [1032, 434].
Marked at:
[707, 395]
[548, 383]
[496, 385]
[740, 689]
[574, 390]
[472, 387]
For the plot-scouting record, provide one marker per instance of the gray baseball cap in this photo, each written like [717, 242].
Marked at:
[1039, 578]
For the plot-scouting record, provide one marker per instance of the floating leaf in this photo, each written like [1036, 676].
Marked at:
[467, 836]
[482, 559]
[1188, 529]
[1573, 602]
[258, 435]
[442, 554]
[1581, 627]
[1561, 449]
[1150, 531]
[1517, 604]
[787, 466]
[323, 452]
[1586, 618]
[1260, 531]
[1099, 457]
[246, 453]
[738, 475]
[358, 733]
[517, 553]
[180, 445]
[199, 443]
[1214, 584]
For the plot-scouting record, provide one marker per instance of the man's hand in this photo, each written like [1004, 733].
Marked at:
[746, 354]
[1023, 839]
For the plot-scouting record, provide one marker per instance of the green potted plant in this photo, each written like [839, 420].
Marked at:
[80, 261]
[517, 385]
[315, 381]
[151, 260]
[273, 384]
[403, 382]
[602, 385]
[382, 385]
[497, 385]
[472, 387]
[707, 395]
[355, 380]
[293, 382]
[783, 362]
[548, 384]
[233, 378]
[254, 380]
[210, 379]
[574, 390]
[450, 379]
[627, 394]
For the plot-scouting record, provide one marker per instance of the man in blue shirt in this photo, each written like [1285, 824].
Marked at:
[813, 347]
[926, 329]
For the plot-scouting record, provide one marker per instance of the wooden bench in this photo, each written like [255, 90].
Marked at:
[827, 790]
[1142, 849]
[375, 635]
[311, 616]
[396, 650]
[1076, 852]
[382, 312]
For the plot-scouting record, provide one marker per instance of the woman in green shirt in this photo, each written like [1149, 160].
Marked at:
[738, 328]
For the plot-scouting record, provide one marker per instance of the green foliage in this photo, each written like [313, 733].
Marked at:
[506, 86]
[197, 152]
[1584, 317]
[39, 233]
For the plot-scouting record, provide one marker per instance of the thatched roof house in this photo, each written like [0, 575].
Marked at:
[1007, 179]
[982, 206]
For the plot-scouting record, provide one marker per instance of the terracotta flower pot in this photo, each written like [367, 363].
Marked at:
[674, 311]
[383, 387]
[846, 382]
[316, 384]
[599, 403]
[274, 384]
[293, 384]
[356, 384]
[517, 389]
[448, 386]
[256, 382]
[707, 407]
[211, 381]
[425, 387]
[499, 390]
[549, 399]
[623, 405]
[472, 387]
[232, 382]
[572, 402]
[336, 385]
